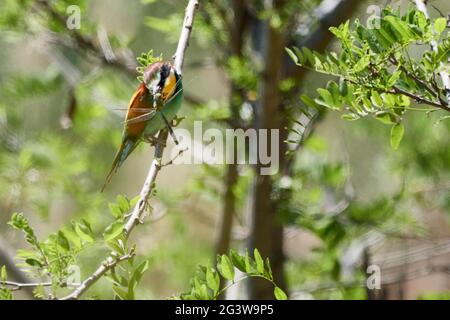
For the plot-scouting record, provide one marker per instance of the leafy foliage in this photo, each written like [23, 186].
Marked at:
[146, 59]
[5, 292]
[377, 74]
[56, 256]
[43, 164]
[206, 283]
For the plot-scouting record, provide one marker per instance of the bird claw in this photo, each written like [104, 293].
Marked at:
[154, 141]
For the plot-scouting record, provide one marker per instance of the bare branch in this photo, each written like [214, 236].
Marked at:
[109, 264]
[183, 42]
[14, 286]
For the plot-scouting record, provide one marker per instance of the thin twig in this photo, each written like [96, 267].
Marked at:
[14, 286]
[107, 265]
[421, 5]
[149, 185]
[419, 81]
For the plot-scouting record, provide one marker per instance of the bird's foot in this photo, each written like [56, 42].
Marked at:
[154, 141]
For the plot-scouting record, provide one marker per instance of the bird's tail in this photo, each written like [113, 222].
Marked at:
[126, 147]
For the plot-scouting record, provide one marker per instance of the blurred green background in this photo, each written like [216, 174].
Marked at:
[52, 167]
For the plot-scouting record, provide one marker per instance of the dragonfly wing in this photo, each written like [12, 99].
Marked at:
[141, 118]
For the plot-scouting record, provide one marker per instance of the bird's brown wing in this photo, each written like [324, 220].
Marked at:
[139, 109]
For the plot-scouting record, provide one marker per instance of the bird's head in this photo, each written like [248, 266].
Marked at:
[160, 78]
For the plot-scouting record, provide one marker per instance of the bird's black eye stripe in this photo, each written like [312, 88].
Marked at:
[164, 74]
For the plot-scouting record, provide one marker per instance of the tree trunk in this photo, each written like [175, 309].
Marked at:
[266, 232]
[225, 224]
[266, 229]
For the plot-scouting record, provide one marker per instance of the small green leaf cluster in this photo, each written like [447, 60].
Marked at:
[54, 256]
[206, 285]
[5, 292]
[124, 277]
[146, 59]
[377, 74]
[52, 259]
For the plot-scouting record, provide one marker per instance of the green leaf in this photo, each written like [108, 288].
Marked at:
[376, 99]
[139, 271]
[308, 101]
[326, 99]
[343, 87]
[135, 200]
[386, 118]
[439, 25]
[397, 133]
[226, 268]
[115, 210]
[122, 294]
[279, 294]
[3, 274]
[259, 261]
[113, 231]
[350, 116]
[83, 232]
[123, 203]
[400, 28]
[250, 265]
[33, 262]
[237, 260]
[62, 241]
[203, 292]
[117, 246]
[393, 78]
[117, 279]
[292, 55]
[72, 237]
[212, 280]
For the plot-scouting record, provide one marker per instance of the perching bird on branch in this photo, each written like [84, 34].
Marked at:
[153, 106]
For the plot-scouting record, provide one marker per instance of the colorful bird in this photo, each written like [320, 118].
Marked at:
[147, 115]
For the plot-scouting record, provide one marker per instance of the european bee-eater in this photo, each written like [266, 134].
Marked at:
[144, 117]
